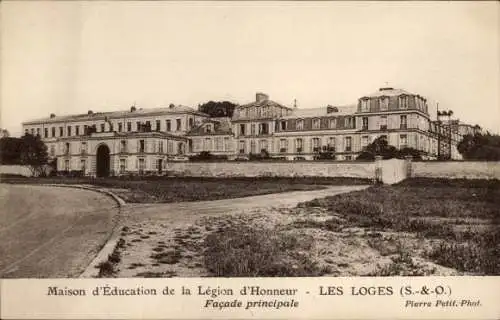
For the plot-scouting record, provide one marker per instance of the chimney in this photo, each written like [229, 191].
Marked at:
[52, 115]
[90, 112]
[386, 89]
[331, 109]
[132, 109]
[260, 97]
[171, 106]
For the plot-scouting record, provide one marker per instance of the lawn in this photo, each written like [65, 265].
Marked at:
[176, 189]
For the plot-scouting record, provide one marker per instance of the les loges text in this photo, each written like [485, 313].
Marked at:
[214, 292]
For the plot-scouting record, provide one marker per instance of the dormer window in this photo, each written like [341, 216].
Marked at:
[332, 123]
[384, 103]
[403, 102]
[316, 124]
[365, 105]
[208, 128]
[300, 124]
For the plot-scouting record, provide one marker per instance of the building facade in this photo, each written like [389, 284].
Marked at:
[142, 141]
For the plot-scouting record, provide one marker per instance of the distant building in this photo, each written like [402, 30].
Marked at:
[141, 141]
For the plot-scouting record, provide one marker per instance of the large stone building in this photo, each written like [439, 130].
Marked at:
[141, 141]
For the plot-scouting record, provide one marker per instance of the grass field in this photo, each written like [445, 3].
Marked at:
[413, 228]
[176, 189]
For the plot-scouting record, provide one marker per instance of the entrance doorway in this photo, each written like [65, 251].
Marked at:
[102, 161]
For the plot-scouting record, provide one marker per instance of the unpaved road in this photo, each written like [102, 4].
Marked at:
[187, 212]
[51, 231]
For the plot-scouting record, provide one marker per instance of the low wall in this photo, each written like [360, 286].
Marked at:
[281, 169]
[15, 169]
[457, 170]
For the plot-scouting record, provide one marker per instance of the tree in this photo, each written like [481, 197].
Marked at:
[480, 147]
[218, 108]
[379, 147]
[34, 154]
[10, 151]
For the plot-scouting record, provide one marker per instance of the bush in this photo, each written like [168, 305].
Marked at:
[242, 251]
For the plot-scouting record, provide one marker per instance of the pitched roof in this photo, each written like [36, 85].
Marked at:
[118, 114]
[321, 112]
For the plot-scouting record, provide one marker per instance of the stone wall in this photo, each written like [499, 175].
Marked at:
[281, 169]
[15, 169]
[457, 170]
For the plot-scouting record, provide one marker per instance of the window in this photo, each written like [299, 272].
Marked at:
[253, 146]
[102, 127]
[263, 128]
[316, 124]
[263, 146]
[46, 133]
[242, 129]
[52, 150]
[218, 144]
[37, 131]
[242, 146]
[169, 125]
[226, 144]
[348, 144]
[403, 102]
[180, 148]
[66, 165]
[32, 131]
[141, 145]
[365, 105]
[123, 146]
[83, 163]
[403, 141]
[160, 146]
[26, 131]
[61, 131]
[252, 129]
[138, 126]
[67, 148]
[123, 165]
[129, 126]
[365, 123]
[157, 125]
[207, 145]
[332, 123]
[53, 131]
[179, 124]
[120, 127]
[383, 123]
[191, 123]
[299, 145]
[208, 128]
[403, 122]
[347, 122]
[315, 145]
[69, 131]
[170, 147]
[282, 125]
[283, 145]
[111, 127]
[348, 158]
[300, 124]
[142, 165]
[85, 129]
[384, 103]
[77, 130]
[331, 144]
[148, 126]
[364, 141]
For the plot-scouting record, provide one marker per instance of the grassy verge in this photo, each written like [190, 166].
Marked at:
[462, 215]
[175, 189]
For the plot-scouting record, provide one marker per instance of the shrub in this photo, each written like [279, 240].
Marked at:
[242, 251]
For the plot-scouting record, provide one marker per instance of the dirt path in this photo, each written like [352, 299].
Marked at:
[153, 229]
[187, 212]
[51, 231]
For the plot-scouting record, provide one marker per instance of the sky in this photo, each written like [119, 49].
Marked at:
[69, 57]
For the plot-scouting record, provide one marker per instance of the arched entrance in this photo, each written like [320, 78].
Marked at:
[102, 161]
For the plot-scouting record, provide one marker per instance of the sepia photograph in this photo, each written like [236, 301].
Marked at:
[249, 139]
